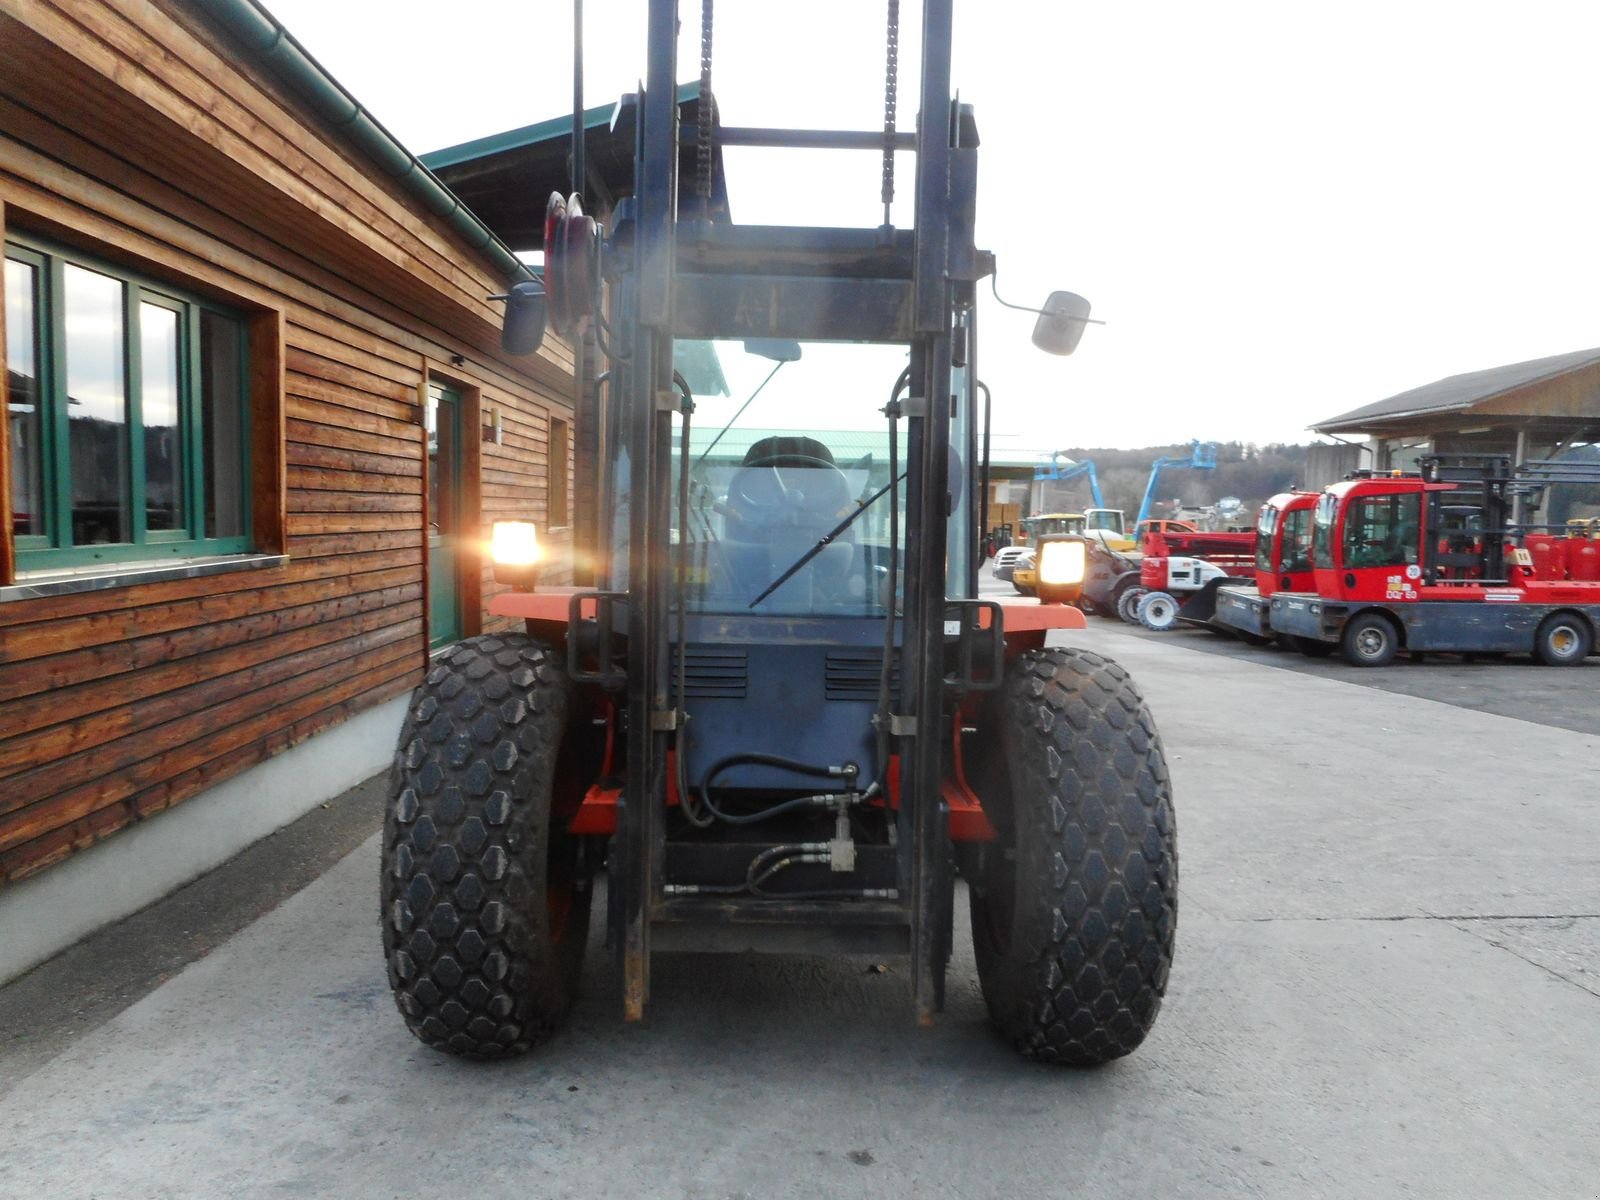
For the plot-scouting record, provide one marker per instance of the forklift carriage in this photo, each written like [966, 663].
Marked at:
[775, 716]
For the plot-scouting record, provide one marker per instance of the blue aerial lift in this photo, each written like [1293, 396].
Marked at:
[1202, 456]
[1066, 472]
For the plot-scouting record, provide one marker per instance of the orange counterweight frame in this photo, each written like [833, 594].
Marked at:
[1026, 622]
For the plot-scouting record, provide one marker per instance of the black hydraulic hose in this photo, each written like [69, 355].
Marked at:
[681, 759]
[768, 760]
[983, 493]
[885, 672]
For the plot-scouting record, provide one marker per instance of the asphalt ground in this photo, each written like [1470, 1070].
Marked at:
[1387, 983]
[1515, 686]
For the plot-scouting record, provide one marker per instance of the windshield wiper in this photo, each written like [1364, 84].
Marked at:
[826, 539]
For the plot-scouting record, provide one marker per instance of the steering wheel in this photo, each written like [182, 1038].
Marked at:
[758, 495]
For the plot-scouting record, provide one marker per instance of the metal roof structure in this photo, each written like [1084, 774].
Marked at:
[1516, 390]
[506, 178]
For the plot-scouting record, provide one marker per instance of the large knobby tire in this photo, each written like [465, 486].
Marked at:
[1563, 639]
[484, 918]
[1370, 640]
[1158, 611]
[1128, 604]
[1075, 908]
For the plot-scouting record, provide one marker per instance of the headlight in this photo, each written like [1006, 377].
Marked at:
[514, 547]
[1061, 563]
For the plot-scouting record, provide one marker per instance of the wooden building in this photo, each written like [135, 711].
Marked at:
[257, 422]
[1547, 408]
[1537, 409]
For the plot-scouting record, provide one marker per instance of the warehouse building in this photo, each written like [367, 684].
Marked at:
[1544, 409]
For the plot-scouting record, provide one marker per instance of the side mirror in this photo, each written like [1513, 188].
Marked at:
[1061, 322]
[522, 328]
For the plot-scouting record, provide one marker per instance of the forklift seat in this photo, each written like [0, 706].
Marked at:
[785, 496]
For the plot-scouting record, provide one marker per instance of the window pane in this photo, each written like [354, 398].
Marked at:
[435, 396]
[158, 370]
[1381, 531]
[22, 380]
[97, 407]
[222, 424]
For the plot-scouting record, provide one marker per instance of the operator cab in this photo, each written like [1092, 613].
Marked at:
[789, 493]
[1283, 543]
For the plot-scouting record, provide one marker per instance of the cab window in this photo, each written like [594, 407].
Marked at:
[1382, 531]
[1265, 526]
[1296, 546]
[1322, 534]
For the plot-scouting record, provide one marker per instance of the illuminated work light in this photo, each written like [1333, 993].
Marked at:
[1061, 563]
[514, 547]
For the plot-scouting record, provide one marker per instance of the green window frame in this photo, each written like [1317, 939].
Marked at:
[136, 444]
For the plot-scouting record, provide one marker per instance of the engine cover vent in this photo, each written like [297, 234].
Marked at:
[852, 674]
[714, 672]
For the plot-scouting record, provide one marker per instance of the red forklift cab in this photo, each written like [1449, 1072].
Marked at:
[1369, 536]
[1283, 543]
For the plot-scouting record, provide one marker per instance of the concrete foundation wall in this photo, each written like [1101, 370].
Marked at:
[43, 915]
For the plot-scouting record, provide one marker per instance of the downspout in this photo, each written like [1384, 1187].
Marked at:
[270, 44]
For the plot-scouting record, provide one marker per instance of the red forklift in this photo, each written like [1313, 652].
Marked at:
[1435, 562]
[1282, 564]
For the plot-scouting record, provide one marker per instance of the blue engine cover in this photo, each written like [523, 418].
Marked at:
[799, 688]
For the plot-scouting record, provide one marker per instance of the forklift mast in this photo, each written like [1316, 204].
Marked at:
[676, 275]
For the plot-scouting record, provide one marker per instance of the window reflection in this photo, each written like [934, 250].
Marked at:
[158, 374]
[22, 381]
[97, 406]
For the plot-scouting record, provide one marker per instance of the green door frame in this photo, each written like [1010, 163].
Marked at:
[444, 514]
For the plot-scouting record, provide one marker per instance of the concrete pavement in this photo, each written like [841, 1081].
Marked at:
[1387, 983]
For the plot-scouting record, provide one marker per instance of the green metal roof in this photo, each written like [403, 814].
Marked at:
[506, 178]
[528, 135]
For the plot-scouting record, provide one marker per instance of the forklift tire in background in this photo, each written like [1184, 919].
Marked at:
[1310, 647]
[1075, 908]
[485, 919]
[1563, 640]
[1370, 640]
[1128, 603]
[1157, 611]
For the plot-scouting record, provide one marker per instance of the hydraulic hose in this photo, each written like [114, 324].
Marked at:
[767, 760]
[886, 671]
[691, 812]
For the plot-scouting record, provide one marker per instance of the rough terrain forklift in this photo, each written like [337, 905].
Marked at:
[775, 716]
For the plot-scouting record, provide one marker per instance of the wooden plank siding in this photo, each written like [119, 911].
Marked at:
[136, 132]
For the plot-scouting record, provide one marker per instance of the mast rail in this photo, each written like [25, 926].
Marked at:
[803, 139]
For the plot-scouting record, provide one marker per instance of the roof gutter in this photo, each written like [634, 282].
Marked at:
[275, 48]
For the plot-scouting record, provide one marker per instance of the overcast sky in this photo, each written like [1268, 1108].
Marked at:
[1283, 210]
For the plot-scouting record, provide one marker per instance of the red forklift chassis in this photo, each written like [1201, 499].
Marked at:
[1282, 564]
[1432, 562]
